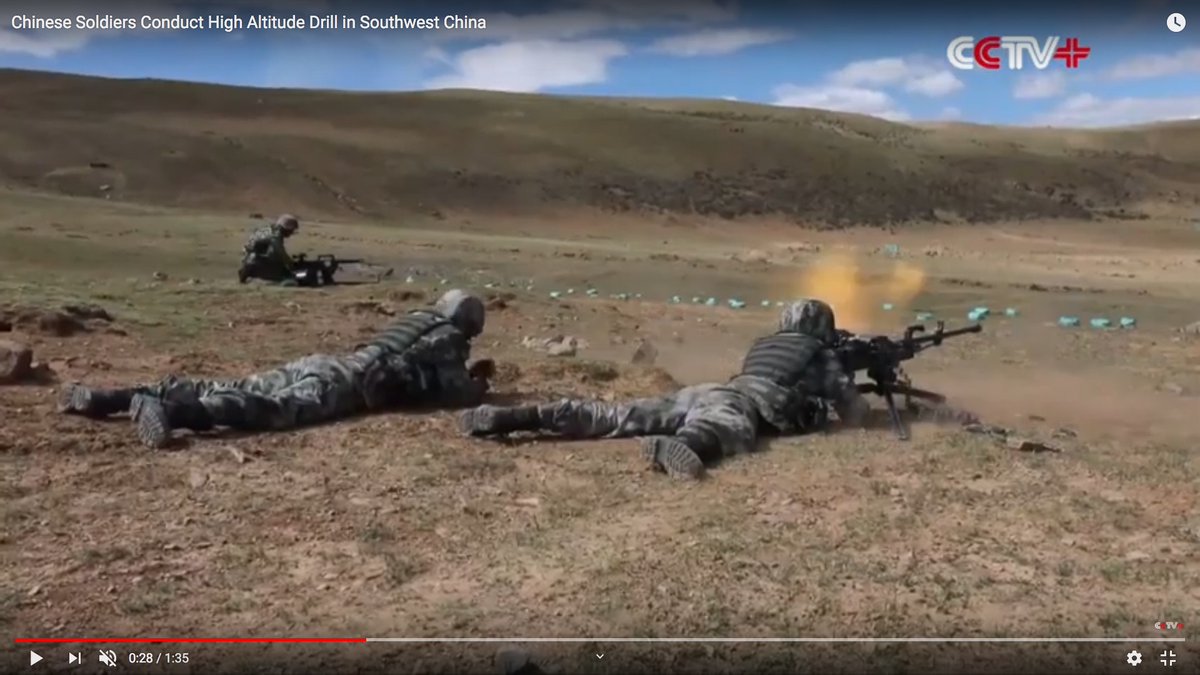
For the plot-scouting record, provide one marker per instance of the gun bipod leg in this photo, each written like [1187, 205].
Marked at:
[897, 423]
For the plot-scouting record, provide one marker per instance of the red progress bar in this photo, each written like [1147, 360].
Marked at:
[191, 640]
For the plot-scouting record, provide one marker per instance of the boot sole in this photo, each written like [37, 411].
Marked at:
[672, 456]
[74, 399]
[472, 422]
[150, 420]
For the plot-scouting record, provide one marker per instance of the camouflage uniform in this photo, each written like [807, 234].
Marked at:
[435, 348]
[419, 359]
[264, 255]
[785, 380]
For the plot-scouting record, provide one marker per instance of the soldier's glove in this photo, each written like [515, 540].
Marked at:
[815, 414]
[483, 369]
[472, 394]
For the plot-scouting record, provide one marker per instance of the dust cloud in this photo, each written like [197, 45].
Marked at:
[856, 297]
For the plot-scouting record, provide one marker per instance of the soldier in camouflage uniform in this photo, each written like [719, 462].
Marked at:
[265, 256]
[784, 385]
[419, 359]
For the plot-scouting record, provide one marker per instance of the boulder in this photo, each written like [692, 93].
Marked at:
[16, 361]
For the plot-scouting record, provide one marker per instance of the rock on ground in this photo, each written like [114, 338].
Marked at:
[65, 322]
[16, 361]
[645, 354]
[559, 345]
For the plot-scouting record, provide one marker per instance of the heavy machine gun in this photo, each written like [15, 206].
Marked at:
[305, 272]
[319, 271]
[880, 356]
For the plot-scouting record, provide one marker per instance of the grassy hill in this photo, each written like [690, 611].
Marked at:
[365, 156]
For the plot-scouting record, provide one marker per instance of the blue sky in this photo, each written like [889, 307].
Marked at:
[846, 56]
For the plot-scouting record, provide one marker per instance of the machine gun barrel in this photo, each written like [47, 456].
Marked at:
[329, 257]
[936, 337]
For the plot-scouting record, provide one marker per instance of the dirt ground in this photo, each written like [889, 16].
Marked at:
[395, 525]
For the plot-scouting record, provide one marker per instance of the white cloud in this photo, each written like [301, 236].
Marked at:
[934, 85]
[1157, 65]
[439, 55]
[860, 86]
[840, 98]
[530, 65]
[716, 41]
[916, 75]
[43, 44]
[950, 113]
[560, 48]
[1040, 85]
[731, 98]
[1087, 110]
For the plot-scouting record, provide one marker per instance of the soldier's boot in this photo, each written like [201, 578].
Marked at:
[154, 418]
[671, 455]
[514, 661]
[76, 399]
[490, 419]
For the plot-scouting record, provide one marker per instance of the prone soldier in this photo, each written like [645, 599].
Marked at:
[419, 359]
[786, 381]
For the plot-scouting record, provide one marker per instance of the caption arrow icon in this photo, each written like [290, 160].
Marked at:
[600, 656]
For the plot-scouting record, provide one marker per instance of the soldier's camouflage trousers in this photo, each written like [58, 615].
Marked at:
[712, 420]
[310, 390]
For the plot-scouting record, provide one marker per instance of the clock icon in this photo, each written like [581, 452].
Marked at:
[1176, 22]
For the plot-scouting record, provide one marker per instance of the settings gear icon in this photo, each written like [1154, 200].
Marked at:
[1133, 658]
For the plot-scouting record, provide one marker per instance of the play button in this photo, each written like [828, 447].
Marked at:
[34, 657]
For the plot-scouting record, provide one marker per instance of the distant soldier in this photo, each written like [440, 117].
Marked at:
[421, 359]
[265, 256]
[786, 382]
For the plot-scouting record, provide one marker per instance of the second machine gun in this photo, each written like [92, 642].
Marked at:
[319, 271]
[880, 356]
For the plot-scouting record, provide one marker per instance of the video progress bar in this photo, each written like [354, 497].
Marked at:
[481, 640]
[1114, 640]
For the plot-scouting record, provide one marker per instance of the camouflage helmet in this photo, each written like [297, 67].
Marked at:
[464, 310]
[810, 317]
[287, 223]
